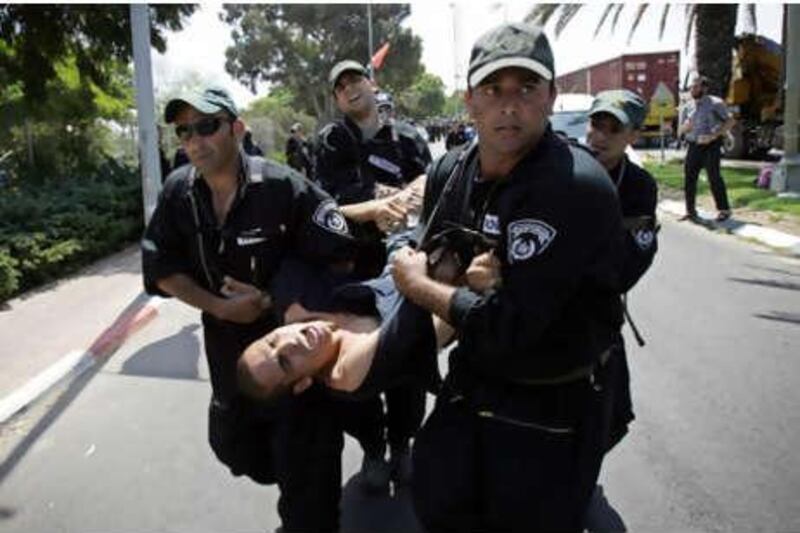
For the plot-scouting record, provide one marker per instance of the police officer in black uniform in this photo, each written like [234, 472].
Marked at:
[220, 229]
[298, 151]
[616, 117]
[516, 439]
[357, 157]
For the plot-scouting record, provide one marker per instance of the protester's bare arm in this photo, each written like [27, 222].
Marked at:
[240, 305]
[375, 210]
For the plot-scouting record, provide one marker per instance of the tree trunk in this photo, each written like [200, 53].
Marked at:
[715, 27]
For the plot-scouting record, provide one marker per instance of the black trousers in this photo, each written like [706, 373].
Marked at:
[477, 473]
[372, 425]
[704, 157]
[619, 390]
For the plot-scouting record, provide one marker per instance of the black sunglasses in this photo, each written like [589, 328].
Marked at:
[204, 127]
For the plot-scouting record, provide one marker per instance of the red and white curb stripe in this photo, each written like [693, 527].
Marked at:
[76, 362]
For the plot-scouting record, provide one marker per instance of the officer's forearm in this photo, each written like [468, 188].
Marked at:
[188, 291]
[431, 295]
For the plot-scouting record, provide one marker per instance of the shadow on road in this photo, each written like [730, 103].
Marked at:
[775, 284]
[173, 357]
[774, 270]
[71, 390]
[779, 316]
[388, 513]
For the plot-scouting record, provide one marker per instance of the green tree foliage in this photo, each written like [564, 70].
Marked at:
[425, 98]
[36, 38]
[71, 137]
[294, 46]
[270, 119]
[714, 25]
[64, 73]
[454, 105]
[48, 232]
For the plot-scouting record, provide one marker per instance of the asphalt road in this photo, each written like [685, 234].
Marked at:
[713, 448]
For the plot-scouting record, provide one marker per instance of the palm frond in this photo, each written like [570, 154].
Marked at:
[691, 13]
[606, 13]
[640, 11]
[663, 25]
[541, 13]
[567, 13]
[616, 17]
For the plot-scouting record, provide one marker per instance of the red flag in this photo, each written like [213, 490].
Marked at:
[380, 56]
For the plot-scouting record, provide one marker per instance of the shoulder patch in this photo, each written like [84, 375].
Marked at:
[528, 238]
[328, 217]
[644, 238]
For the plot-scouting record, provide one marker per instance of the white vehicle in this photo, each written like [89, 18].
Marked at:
[571, 115]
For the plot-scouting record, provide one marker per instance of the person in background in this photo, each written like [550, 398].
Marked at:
[298, 151]
[704, 121]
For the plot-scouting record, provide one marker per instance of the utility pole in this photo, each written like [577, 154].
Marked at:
[369, 39]
[456, 70]
[145, 108]
[789, 177]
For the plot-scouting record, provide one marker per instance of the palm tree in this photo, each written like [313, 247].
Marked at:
[714, 35]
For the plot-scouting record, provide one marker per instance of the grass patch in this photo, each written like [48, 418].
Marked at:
[742, 191]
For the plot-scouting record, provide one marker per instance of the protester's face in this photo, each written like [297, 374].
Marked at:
[290, 353]
[510, 109]
[214, 151]
[608, 138]
[353, 93]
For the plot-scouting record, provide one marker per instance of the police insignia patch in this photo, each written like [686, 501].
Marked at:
[527, 238]
[491, 224]
[327, 216]
[644, 238]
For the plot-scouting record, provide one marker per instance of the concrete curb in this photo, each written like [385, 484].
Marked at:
[775, 239]
[76, 362]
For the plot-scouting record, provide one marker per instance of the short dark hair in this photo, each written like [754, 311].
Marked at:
[247, 384]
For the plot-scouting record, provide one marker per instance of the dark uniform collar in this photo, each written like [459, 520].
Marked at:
[383, 131]
[617, 173]
[248, 173]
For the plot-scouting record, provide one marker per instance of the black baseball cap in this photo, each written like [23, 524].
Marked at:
[208, 101]
[511, 45]
[624, 105]
[348, 65]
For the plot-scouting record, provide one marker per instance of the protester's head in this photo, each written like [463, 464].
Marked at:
[352, 89]
[286, 359]
[208, 127]
[615, 119]
[699, 86]
[511, 89]
[297, 129]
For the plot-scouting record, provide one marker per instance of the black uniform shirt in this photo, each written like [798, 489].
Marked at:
[558, 224]
[348, 167]
[276, 212]
[638, 197]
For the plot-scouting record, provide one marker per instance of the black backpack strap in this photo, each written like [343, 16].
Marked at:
[452, 194]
